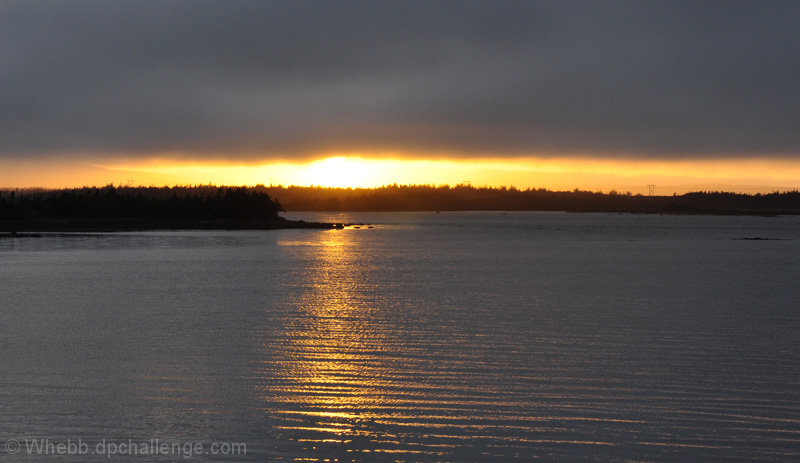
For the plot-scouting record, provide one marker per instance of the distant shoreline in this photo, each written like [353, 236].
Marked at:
[11, 227]
[201, 207]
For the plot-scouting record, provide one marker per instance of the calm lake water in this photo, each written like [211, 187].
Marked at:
[430, 337]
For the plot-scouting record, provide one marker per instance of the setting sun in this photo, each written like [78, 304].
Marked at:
[338, 171]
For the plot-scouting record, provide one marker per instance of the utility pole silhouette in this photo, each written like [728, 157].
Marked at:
[651, 190]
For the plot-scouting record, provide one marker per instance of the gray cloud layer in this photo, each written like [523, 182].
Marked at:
[288, 79]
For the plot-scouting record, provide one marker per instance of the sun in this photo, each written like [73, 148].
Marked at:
[338, 171]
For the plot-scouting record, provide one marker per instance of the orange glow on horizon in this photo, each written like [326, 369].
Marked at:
[351, 171]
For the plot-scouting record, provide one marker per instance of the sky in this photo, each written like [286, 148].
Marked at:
[559, 94]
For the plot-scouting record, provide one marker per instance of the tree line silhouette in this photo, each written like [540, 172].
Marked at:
[165, 203]
[204, 202]
[466, 197]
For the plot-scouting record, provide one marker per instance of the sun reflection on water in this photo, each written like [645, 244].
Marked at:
[330, 360]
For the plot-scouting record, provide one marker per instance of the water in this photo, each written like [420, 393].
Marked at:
[430, 337]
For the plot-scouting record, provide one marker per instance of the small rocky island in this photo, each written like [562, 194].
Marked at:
[105, 209]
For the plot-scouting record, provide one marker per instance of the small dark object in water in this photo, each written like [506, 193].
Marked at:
[758, 238]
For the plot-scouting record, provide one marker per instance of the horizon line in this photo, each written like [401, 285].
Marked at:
[466, 185]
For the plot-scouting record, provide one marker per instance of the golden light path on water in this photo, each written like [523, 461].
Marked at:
[326, 349]
[334, 348]
[337, 359]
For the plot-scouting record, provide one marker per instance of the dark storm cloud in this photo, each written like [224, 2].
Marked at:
[290, 79]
